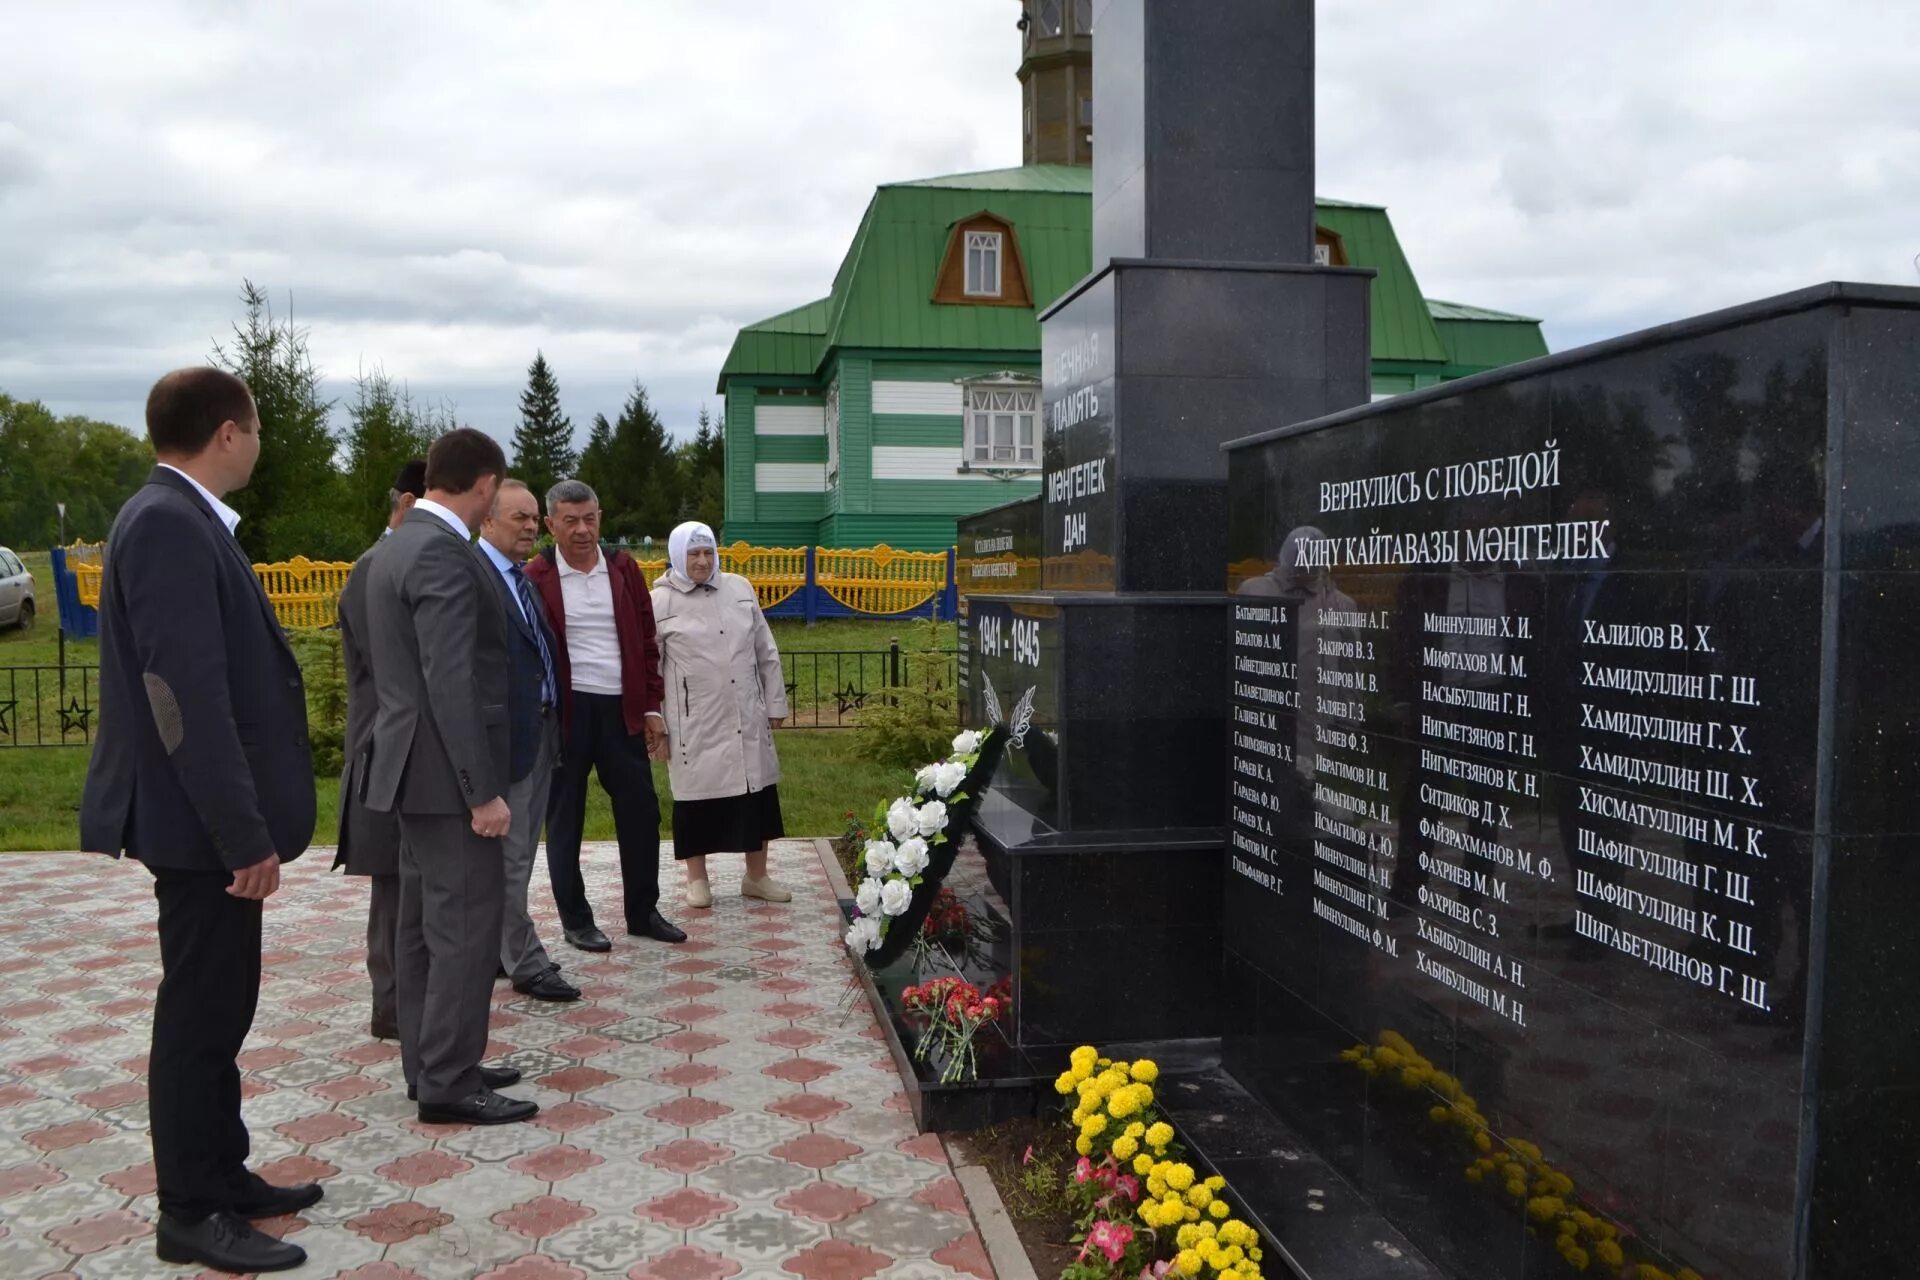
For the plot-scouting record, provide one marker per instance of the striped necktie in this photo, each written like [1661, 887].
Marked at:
[532, 607]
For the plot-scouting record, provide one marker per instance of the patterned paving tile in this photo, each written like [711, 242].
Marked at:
[708, 1111]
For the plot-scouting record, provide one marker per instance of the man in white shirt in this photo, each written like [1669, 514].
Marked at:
[610, 696]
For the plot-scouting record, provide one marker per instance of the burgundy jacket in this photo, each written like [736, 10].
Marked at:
[641, 688]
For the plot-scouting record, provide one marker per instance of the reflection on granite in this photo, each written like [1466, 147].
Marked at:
[1571, 753]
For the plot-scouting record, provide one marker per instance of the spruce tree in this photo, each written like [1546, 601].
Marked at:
[384, 429]
[543, 442]
[703, 470]
[596, 460]
[642, 493]
[295, 502]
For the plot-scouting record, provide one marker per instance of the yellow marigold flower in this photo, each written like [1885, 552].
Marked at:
[1094, 1125]
[1216, 1183]
[1516, 1188]
[1063, 1083]
[1198, 1196]
[1124, 1147]
[1219, 1208]
[1231, 1274]
[1481, 1141]
[1156, 1186]
[1254, 1254]
[1105, 1062]
[1647, 1271]
[1179, 1176]
[1187, 1263]
[1353, 1055]
[1185, 1237]
[1208, 1229]
[1142, 1165]
[1545, 1208]
[1146, 1070]
[1085, 1053]
[1083, 1144]
[1527, 1149]
[1438, 1114]
[1608, 1252]
[1121, 1104]
[1369, 1066]
[1473, 1173]
[1160, 1134]
[1576, 1257]
[1136, 1129]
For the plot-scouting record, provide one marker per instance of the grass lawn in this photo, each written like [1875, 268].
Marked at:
[823, 774]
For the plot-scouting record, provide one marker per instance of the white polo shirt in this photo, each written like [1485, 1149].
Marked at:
[593, 641]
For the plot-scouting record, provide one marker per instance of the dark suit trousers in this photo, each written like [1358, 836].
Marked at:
[209, 988]
[383, 924]
[446, 951]
[597, 739]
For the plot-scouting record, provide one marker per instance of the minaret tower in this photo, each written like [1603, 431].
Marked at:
[1056, 81]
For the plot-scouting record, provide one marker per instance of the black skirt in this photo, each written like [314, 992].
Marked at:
[731, 824]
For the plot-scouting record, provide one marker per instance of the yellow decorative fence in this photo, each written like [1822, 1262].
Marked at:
[863, 581]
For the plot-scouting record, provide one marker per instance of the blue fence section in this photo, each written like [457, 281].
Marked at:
[80, 621]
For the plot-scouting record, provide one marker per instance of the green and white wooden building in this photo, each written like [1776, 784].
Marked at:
[909, 395]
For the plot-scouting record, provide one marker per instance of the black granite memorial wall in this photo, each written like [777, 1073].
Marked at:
[1574, 773]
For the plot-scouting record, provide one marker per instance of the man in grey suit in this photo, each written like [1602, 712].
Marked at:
[506, 540]
[438, 645]
[369, 841]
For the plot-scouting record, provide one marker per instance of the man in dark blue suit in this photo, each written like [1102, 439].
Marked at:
[202, 771]
[506, 540]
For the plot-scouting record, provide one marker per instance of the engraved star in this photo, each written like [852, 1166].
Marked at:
[74, 715]
[6, 709]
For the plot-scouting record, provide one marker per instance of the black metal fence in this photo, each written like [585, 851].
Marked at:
[49, 706]
[826, 689]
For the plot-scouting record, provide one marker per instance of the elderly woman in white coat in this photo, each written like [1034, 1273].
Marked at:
[725, 696]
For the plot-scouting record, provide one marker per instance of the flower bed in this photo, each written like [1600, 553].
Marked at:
[1141, 1209]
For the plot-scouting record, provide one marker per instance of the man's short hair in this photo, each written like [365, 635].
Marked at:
[512, 482]
[459, 460]
[186, 407]
[571, 491]
[410, 479]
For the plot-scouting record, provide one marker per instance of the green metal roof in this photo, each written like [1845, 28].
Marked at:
[1479, 338]
[1402, 329]
[882, 293]
[786, 344]
[1461, 311]
[1029, 177]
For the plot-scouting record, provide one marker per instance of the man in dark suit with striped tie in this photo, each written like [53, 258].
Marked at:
[506, 540]
[202, 771]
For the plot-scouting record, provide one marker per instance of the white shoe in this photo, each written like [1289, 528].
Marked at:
[767, 890]
[699, 894]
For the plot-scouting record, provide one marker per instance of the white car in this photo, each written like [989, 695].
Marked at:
[16, 592]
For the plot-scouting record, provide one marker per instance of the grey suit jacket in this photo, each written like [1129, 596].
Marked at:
[438, 645]
[202, 761]
[369, 841]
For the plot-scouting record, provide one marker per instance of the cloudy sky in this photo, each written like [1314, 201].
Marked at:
[442, 189]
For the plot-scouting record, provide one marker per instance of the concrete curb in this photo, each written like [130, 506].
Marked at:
[997, 1234]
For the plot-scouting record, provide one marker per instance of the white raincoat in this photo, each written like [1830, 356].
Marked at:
[723, 678]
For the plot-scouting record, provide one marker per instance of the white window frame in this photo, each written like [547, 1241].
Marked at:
[1009, 402]
[831, 417]
[989, 245]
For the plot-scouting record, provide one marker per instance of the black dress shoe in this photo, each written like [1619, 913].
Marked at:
[658, 929]
[490, 1077]
[485, 1107]
[272, 1201]
[384, 1030]
[224, 1243]
[589, 939]
[548, 986]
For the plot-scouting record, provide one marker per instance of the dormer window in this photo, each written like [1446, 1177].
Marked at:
[983, 264]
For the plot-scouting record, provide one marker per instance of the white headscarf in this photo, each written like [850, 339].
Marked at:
[685, 538]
